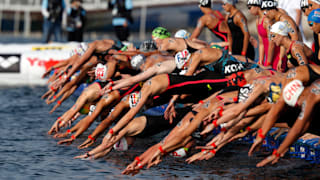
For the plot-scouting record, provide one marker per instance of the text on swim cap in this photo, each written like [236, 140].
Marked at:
[268, 4]
[100, 72]
[233, 68]
[292, 90]
[254, 2]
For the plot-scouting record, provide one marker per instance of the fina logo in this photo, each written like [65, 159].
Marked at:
[268, 4]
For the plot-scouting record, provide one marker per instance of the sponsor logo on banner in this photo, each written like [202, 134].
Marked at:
[35, 61]
[45, 48]
[9, 63]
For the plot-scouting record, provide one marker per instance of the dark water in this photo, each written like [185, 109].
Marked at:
[27, 152]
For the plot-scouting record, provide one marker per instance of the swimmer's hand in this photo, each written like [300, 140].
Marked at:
[61, 135]
[170, 112]
[107, 88]
[83, 156]
[214, 141]
[91, 73]
[212, 115]
[255, 146]
[47, 72]
[203, 154]
[239, 135]
[207, 129]
[270, 159]
[133, 168]
[54, 127]
[66, 141]
[57, 84]
[55, 107]
[155, 160]
[279, 132]
[86, 144]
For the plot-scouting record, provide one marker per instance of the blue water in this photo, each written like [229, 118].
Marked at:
[27, 152]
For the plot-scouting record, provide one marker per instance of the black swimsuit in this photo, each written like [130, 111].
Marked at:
[101, 55]
[223, 36]
[200, 85]
[189, 48]
[227, 65]
[237, 40]
[290, 58]
[156, 124]
[316, 49]
[312, 74]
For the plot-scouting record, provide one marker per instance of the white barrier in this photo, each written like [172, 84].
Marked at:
[24, 64]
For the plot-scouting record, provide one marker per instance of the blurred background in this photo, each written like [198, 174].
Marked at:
[21, 20]
[25, 53]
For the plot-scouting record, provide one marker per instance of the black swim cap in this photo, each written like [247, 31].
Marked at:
[254, 2]
[269, 4]
[205, 3]
[304, 4]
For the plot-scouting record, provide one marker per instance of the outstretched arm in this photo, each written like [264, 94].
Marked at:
[159, 68]
[122, 106]
[145, 94]
[300, 126]
[271, 117]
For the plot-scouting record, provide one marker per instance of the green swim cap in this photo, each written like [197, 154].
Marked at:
[216, 46]
[85, 109]
[160, 33]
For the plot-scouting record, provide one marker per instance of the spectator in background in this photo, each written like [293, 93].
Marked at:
[121, 12]
[292, 7]
[75, 21]
[52, 12]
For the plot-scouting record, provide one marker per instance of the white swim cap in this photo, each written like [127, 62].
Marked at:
[121, 145]
[316, 1]
[181, 58]
[179, 153]
[134, 99]
[292, 92]
[92, 108]
[101, 72]
[281, 28]
[137, 61]
[182, 33]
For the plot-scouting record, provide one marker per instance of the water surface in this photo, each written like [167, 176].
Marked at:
[27, 152]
